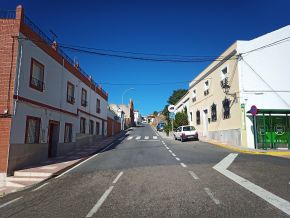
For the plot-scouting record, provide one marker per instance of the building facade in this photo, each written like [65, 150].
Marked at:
[248, 73]
[137, 117]
[48, 104]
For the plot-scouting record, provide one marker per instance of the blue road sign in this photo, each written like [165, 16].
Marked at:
[171, 116]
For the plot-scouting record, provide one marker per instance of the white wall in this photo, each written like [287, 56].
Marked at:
[54, 94]
[264, 81]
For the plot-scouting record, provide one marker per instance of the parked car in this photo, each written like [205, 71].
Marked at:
[160, 127]
[183, 133]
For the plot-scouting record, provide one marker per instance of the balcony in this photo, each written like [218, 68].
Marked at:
[70, 99]
[37, 84]
[84, 103]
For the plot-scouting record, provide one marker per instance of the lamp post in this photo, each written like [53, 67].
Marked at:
[125, 93]
[122, 112]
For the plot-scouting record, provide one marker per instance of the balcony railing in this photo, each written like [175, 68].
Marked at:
[7, 14]
[37, 83]
[49, 41]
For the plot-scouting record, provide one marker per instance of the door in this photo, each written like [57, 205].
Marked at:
[53, 137]
[205, 123]
[97, 128]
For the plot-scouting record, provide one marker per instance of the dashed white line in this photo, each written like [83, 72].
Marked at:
[39, 187]
[167, 148]
[182, 164]
[193, 175]
[177, 158]
[154, 137]
[210, 194]
[118, 177]
[10, 202]
[174, 155]
[138, 137]
[129, 138]
[146, 137]
[170, 151]
[100, 202]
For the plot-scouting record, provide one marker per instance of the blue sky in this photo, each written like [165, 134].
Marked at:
[164, 27]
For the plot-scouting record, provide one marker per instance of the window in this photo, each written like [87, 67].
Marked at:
[224, 73]
[32, 130]
[97, 128]
[70, 93]
[197, 117]
[194, 95]
[36, 75]
[226, 108]
[84, 98]
[83, 125]
[206, 88]
[190, 116]
[188, 128]
[98, 106]
[68, 132]
[213, 113]
[91, 127]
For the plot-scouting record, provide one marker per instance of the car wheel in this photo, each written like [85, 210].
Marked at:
[181, 139]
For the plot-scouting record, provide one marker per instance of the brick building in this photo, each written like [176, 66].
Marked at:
[48, 104]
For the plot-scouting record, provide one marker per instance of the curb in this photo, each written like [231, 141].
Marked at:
[270, 153]
[55, 174]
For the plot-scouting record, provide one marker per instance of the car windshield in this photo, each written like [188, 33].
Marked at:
[188, 128]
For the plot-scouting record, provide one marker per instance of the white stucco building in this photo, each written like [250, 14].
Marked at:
[52, 105]
[254, 72]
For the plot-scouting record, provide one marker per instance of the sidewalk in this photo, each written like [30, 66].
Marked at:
[28, 177]
[277, 153]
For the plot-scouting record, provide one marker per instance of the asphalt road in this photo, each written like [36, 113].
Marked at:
[142, 175]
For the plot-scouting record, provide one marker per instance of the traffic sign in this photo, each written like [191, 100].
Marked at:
[171, 116]
[254, 110]
[171, 108]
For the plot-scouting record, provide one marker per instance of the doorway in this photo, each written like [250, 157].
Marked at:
[53, 137]
[205, 122]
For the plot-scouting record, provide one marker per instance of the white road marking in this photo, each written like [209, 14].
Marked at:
[170, 151]
[83, 161]
[100, 202]
[146, 137]
[129, 138]
[271, 198]
[163, 142]
[155, 137]
[39, 187]
[138, 137]
[149, 140]
[10, 202]
[118, 177]
[193, 175]
[174, 155]
[210, 194]
[182, 164]
[167, 148]
[177, 158]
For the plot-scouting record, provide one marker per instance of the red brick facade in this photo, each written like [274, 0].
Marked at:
[9, 30]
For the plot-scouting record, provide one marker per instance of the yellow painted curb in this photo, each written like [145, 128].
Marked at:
[271, 153]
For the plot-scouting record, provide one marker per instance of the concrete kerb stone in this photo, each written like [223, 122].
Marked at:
[2, 192]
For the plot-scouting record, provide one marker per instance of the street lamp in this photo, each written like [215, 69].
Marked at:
[125, 93]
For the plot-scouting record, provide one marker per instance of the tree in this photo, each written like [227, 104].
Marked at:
[155, 113]
[176, 96]
[181, 119]
[165, 112]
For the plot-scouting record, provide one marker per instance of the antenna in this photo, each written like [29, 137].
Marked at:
[54, 36]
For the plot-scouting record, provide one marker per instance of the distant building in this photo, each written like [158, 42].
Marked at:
[137, 117]
[127, 112]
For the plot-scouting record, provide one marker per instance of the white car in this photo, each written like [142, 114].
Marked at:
[183, 133]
